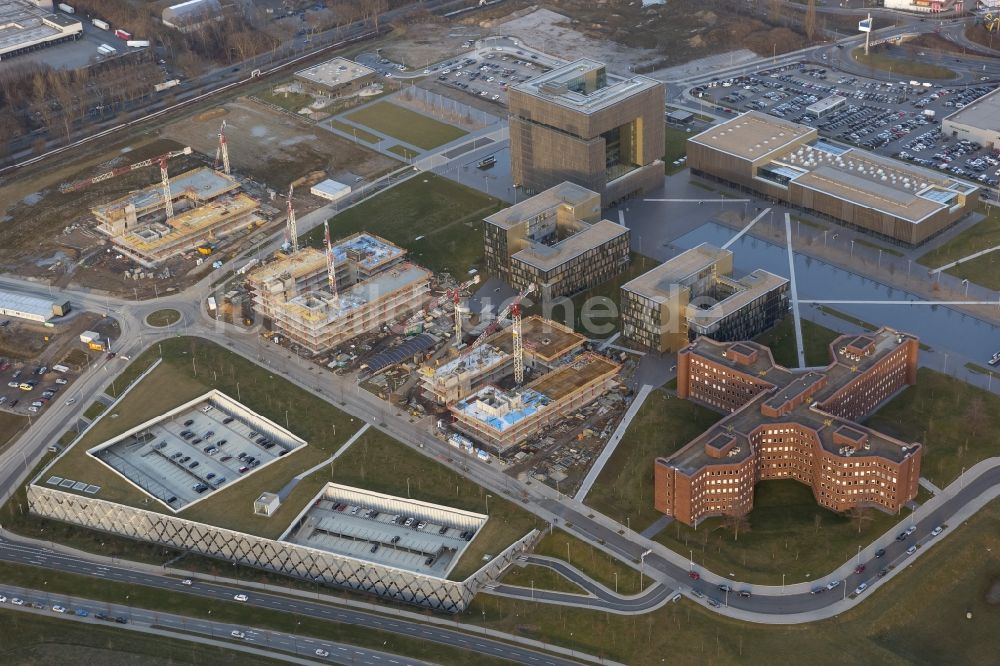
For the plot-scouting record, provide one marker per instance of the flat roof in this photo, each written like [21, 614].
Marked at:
[161, 458]
[480, 359]
[983, 113]
[656, 283]
[542, 338]
[330, 187]
[322, 307]
[745, 290]
[557, 86]
[547, 257]
[371, 526]
[335, 72]
[567, 378]
[307, 261]
[30, 305]
[753, 135]
[201, 184]
[826, 104]
[564, 193]
[23, 24]
[366, 250]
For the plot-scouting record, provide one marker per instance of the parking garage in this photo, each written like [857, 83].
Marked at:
[393, 531]
[195, 450]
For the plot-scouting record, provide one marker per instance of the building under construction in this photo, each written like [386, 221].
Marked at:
[320, 300]
[545, 343]
[502, 419]
[205, 205]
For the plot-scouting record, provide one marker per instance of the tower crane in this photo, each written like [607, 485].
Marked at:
[223, 149]
[454, 295]
[114, 173]
[331, 269]
[514, 310]
[291, 228]
[991, 22]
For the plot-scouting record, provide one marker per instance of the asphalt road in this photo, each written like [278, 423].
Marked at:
[29, 554]
[273, 643]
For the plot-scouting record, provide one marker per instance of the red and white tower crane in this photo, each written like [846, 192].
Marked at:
[222, 150]
[331, 268]
[114, 173]
[518, 346]
[513, 310]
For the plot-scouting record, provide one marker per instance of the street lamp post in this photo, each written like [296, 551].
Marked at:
[488, 496]
[616, 581]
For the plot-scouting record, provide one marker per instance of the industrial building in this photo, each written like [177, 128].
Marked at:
[789, 162]
[25, 26]
[579, 123]
[544, 341]
[785, 424]
[192, 15]
[31, 308]
[393, 547]
[978, 121]
[331, 190]
[557, 241]
[205, 204]
[923, 6]
[693, 294]
[336, 78]
[502, 419]
[373, 285]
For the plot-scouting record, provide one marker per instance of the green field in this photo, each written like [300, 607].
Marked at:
[365, 465]
[356, 132]
[224, 610]
[289, 101]
[981, 236]
[191, 367]
[446, 218]
[408, 126]
[10, 427]
[163, 317]
[96, 409]
[403, 152]
[47, 641]
[877, 60]
[664, 424]
[787, 532]
[674, 147]
[954, 421]
[816, 341]
[917, 618]
[594, 562]
[540, 578]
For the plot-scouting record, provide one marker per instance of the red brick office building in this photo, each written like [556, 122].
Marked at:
[783, 424]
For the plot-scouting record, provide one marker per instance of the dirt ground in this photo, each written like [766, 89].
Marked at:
[272, 147]
[631, 38]
[422, 44]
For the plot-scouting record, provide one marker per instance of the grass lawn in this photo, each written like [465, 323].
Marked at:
[47, 641]
[917, 618]
[541, 578]
[163, 317]
[956, 423]
[816, 340]
[902, 67]
[594, 562]
[984, 270]
[879, 246]
[674, 148]
[225, 611]
[624, 489]
[365, 465]
[190, 367]
[409, 126]
[403, 152]
[446, 218]
[789, 534]
[595, 312]
[984, 234]
[357, 132]
[96, 409]
[849, 318]
[289, 101]
[10, 427]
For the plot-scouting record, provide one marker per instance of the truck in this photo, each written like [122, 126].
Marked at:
[211, 304]
[137, 43]
[95, 345]
[928, 113]
[206, 248]
[166, 84]
[482, 455]
[121, 34]
[98, 23]
[66, 8]
[106, 49]
[459, 441]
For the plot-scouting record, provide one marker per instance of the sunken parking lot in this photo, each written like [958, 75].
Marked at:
[488, 76]
[899, 119]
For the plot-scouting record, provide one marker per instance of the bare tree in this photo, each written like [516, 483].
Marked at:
[737, 524]
[774, 11]
[810, 20]
[861, 516]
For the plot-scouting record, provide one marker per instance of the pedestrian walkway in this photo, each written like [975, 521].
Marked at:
[287, 489]
[602, 459]
[925, 483]
[656, 527]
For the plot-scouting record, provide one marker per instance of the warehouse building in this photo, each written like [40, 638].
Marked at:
[502, 419]
[31, 308]
[579, 123]
[25, 27]
[783, 424]
[374, 285]
[978, 121]
[207, 206]
[789, 162]
[556, 241]
[693, 294]
[336, 78]
[192, 15]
